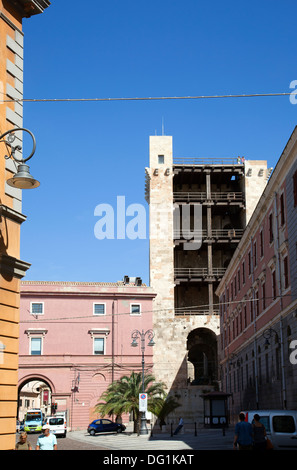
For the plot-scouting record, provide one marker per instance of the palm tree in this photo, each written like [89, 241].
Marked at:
[165, 407]
[122, 396]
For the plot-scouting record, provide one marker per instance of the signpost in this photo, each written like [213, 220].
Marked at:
[143, 402]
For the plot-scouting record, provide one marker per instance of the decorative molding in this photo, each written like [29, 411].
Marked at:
[13, 267]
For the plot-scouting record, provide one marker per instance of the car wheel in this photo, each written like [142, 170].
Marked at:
[92, 432]
[119, 430]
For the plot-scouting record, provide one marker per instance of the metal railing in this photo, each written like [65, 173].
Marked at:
[200, 196]
[195, 312]
[214, 233]
[207, 161]
[199, 272]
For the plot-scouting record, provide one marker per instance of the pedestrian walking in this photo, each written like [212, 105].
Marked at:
[47, 441]
[259, 434]
[23, 443]
[243, 436]
[180, 425]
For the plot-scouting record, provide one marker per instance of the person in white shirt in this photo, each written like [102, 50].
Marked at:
[180, 425]
[47, 441]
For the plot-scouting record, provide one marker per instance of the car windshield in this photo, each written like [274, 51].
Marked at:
[55, 421]
[33, 418]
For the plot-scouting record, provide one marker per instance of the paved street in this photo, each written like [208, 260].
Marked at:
[211, 439]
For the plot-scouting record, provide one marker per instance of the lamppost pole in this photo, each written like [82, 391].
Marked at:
[135, 336]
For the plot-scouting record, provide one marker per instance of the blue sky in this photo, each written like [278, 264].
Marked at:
[89, 153]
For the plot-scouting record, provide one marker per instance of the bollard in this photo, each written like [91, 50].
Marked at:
[195, 428]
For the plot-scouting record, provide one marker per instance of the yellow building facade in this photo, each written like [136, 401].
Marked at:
[12, 269]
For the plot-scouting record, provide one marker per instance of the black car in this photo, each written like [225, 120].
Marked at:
[104, 425]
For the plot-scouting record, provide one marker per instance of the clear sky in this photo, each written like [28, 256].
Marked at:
[88, 153]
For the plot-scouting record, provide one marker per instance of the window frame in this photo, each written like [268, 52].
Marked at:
[36, 303]
[133, 313]
[99, 303]
[95, 338]
[35, 337]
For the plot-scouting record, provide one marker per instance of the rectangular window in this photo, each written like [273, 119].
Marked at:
[261, 244]
[270, 228]
[35, 346]
[243, 272]
[135, 309]
[99, 346]
[250, 263]
[283, 424]
[37, 308]
[257, 303]
[238, 279]
[286, 272]
[282, 209]
[161, 159]
[255, 254]
[263, 296]
[273, 285]
[99, 309]
[295, 188]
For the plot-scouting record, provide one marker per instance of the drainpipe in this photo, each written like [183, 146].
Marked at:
[255, 327]
[283, 385]
[112, 343]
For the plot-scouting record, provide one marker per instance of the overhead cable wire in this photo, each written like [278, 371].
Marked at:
[147, 98]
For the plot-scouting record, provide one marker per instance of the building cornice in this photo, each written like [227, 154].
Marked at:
[11, 214]
[12, 267]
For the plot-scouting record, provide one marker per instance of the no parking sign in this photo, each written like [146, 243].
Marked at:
[143, 402]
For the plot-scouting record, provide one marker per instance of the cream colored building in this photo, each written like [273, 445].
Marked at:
[198, 210]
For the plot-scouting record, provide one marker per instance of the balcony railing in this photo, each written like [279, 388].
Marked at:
[214, 233]
[207, 161]
[187, 312]
[198, 273]
[230, 197]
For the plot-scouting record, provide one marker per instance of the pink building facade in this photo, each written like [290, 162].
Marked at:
[75, 337]
[258, 299]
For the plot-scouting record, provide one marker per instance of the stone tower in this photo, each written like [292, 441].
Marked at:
[198, 210]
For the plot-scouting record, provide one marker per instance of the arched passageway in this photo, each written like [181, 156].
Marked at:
[34, 392]
[202, 356]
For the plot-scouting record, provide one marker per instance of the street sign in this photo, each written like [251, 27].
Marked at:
[142, 402]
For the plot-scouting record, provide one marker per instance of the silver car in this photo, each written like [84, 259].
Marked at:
[281, 426]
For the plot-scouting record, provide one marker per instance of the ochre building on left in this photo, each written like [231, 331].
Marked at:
[12, 269]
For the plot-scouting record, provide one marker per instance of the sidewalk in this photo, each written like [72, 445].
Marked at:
[206, 439]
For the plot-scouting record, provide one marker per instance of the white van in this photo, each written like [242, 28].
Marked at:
[281, 426]
[57, 424]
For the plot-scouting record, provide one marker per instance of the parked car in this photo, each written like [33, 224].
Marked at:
[57, 424]
[104, 425]
[281, 426]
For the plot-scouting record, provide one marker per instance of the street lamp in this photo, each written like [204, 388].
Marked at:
[135, 336]
[22, 179]
[267, 335]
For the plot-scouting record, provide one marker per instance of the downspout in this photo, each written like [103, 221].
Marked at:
[283, 385]
[255, 328]
[112, 343]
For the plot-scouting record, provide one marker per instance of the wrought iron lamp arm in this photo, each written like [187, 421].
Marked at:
[17, 147]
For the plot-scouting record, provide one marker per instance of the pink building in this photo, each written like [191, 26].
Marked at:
[258, 299]
[75, 338]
